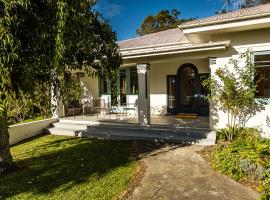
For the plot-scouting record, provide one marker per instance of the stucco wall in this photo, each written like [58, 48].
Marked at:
[24, 131]
[90, 87]
[158, 79]
[240, 42]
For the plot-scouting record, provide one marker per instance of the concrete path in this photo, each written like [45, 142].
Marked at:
[181, 173]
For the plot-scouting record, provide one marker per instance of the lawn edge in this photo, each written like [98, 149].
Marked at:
[134, 182]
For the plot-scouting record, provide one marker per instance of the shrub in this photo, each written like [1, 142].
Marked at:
[233, 91]
[265, 187]
[247, 157]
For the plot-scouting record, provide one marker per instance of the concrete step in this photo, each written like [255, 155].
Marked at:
[119, 132]
[63, 132]
[135, 126]
[61, 125]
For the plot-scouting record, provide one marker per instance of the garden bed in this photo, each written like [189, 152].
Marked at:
[246, 160]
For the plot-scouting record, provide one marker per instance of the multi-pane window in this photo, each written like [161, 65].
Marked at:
[133, 85]
[262, 76]
[127, 83]
[103, 86]
[171, 92]
[123, 87]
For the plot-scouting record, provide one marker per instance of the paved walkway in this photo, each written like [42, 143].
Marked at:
[180, 173]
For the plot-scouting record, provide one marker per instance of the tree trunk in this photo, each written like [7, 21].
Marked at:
[6, 163]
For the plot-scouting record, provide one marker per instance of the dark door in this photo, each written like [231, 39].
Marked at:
[188, 89]
[185, 93]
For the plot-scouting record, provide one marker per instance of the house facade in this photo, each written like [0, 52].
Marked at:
[163, 72]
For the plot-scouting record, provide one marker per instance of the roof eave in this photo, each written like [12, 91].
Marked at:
[194, 48]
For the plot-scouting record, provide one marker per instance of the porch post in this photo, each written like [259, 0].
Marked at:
[212, 108]
[144, 110]
[54, 95]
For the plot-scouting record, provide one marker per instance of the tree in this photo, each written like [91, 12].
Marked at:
[161, 21]
[251, 3]
[231, 5]
[40, 41]
[237, 4]
[233, 91]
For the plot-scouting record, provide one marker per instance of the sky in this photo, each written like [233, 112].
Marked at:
[126, 16]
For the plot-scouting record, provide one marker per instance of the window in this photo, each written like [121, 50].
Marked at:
[127, 84]
[171, 92]
[123, 87]
[103, 86]
[262, 76]
[133, 81]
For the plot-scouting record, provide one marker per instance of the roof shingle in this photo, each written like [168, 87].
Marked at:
[234, 15]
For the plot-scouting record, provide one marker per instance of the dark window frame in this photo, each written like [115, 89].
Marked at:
[260, 53]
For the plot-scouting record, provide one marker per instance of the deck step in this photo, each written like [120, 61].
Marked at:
[133, 132]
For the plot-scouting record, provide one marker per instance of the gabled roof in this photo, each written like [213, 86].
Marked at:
[242, 14]
[163, 38]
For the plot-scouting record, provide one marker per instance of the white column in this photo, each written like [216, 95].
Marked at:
[54, 95]
[144, 110]
[213, 112]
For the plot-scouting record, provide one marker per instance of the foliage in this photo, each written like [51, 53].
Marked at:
[251, 3]
[264, 187]
[73, 168]
[71, 90]
[247, 157]
[233, 91]
[20, 108]
[32, 119]
[231, 5]
[40, 40]
[161, 21]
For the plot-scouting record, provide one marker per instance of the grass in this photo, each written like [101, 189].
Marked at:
[30, 120]
[56, 167]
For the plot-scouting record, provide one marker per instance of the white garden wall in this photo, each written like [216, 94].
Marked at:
[20, 132]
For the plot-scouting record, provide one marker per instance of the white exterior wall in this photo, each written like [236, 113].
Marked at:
[20, 132]
[90, 87]
[158, 79]
[240, 42]
[158, 82]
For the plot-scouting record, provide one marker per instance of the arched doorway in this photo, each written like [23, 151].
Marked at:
[188, 89]
[185, 93]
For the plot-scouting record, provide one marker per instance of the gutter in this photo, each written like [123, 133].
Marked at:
[155, 46]
[174, 50]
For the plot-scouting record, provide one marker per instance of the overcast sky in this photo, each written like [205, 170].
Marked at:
[126, 15]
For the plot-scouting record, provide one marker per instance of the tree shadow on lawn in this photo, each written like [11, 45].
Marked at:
[71, 161]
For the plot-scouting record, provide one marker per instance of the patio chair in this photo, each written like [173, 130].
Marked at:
[74, 109]
[131, 107]
[99, 106]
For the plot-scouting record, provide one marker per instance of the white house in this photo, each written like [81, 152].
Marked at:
[165, 70]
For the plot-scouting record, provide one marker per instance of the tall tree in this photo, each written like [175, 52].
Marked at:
[161, 21]
[230, 5]
[39, 38]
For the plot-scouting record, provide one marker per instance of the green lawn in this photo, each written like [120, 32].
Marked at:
[31, 120]
[56, 167]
